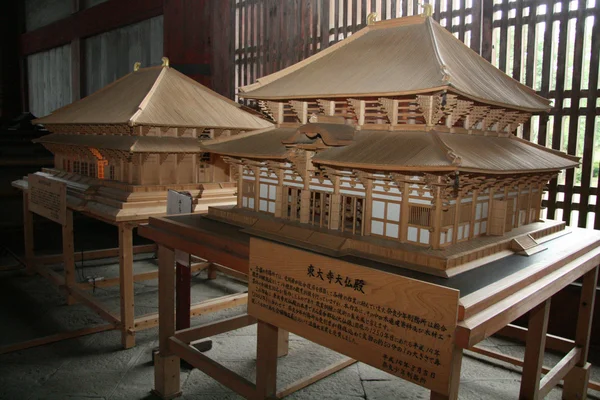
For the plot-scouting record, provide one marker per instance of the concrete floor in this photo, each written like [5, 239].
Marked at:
[95, 367]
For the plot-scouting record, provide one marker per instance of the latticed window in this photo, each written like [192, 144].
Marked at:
[419, 215]
[93, 170]
[84, 168]
[320, 209]
[111, 172]
[77, 167]
[352, 214]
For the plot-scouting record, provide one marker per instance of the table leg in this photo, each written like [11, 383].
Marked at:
[183, 294]
[126, 285]
[457, 355]
[534, 351]
[69, 254]
[576, 380]
[283, 340]
[28, 234]
[266, 360]
[166, 364]
[212, 272]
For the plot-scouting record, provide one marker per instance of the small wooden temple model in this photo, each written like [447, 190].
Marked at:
[396, 144]
[121, 148]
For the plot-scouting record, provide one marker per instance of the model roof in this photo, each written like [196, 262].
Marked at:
[156, 96]
[409, 151]
[127, 143]
[397, 57]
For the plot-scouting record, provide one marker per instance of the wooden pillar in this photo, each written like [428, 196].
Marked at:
[404, 213]
[283, 343]
[434, 239]
[279, 196]
[528, 217]
[367, 208]
[126, 285]
[456, 218]
[240, 183]
[538, 205]
[28, 234]
[166, 365]
[534, 351]
[336, 204]
[489, 216]
[576, 380]
[256, 171]
[456, 363]
[69, 254]
[517, 209]
[305, 202]
[473, 212]
[266, 360]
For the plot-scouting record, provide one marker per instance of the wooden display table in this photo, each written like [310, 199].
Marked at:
[126, 321]
[457, 312]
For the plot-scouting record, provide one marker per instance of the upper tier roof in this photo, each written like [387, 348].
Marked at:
[397, 57]
[156, 96]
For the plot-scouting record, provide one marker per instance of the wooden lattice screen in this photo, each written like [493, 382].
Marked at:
[550, 45]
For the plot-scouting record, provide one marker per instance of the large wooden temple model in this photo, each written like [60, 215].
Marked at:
[120, 149]
[397, 144]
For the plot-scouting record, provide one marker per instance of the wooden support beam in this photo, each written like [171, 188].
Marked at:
[214, 328]
[230, 272]
[205, 307]
[144, 276]
[317, 376]
[55, 338]
[558, 372]
[68, 253]
[95, 305]
[266, 360]
[93, 254]
[534, 351]
[28, 234]
[166, 364]
[126, 285]
[102, 18]
[553, 342]
[518, 362]
[213, 369]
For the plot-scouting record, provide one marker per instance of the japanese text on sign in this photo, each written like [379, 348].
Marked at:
[47, 198]
[396, 324]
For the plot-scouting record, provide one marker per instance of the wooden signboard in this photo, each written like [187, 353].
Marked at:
[48, 198]
[399, 325]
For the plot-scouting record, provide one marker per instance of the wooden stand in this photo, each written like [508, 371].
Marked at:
[77, 292]
[483, 311]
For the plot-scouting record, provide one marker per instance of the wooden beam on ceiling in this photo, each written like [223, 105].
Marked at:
[102, 18]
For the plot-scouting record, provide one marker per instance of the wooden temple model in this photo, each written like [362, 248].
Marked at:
[397, 144]
[120, 149]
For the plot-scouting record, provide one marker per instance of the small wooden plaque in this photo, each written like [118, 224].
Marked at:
[399, 325]
[48, 198]
[180, 203]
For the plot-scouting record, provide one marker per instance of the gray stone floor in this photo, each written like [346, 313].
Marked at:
[95, 367]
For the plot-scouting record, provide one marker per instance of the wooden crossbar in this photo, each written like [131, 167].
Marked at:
[223, 375]
[55, 338]
[214, 328]
[144, 276]
[558, 372]
[317, 376]
[208, 306]
[518, 362]
[92, 254]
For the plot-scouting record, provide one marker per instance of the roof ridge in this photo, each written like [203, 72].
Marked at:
[448, 151]
[267, 79]
[147, 98]
[438, 56]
